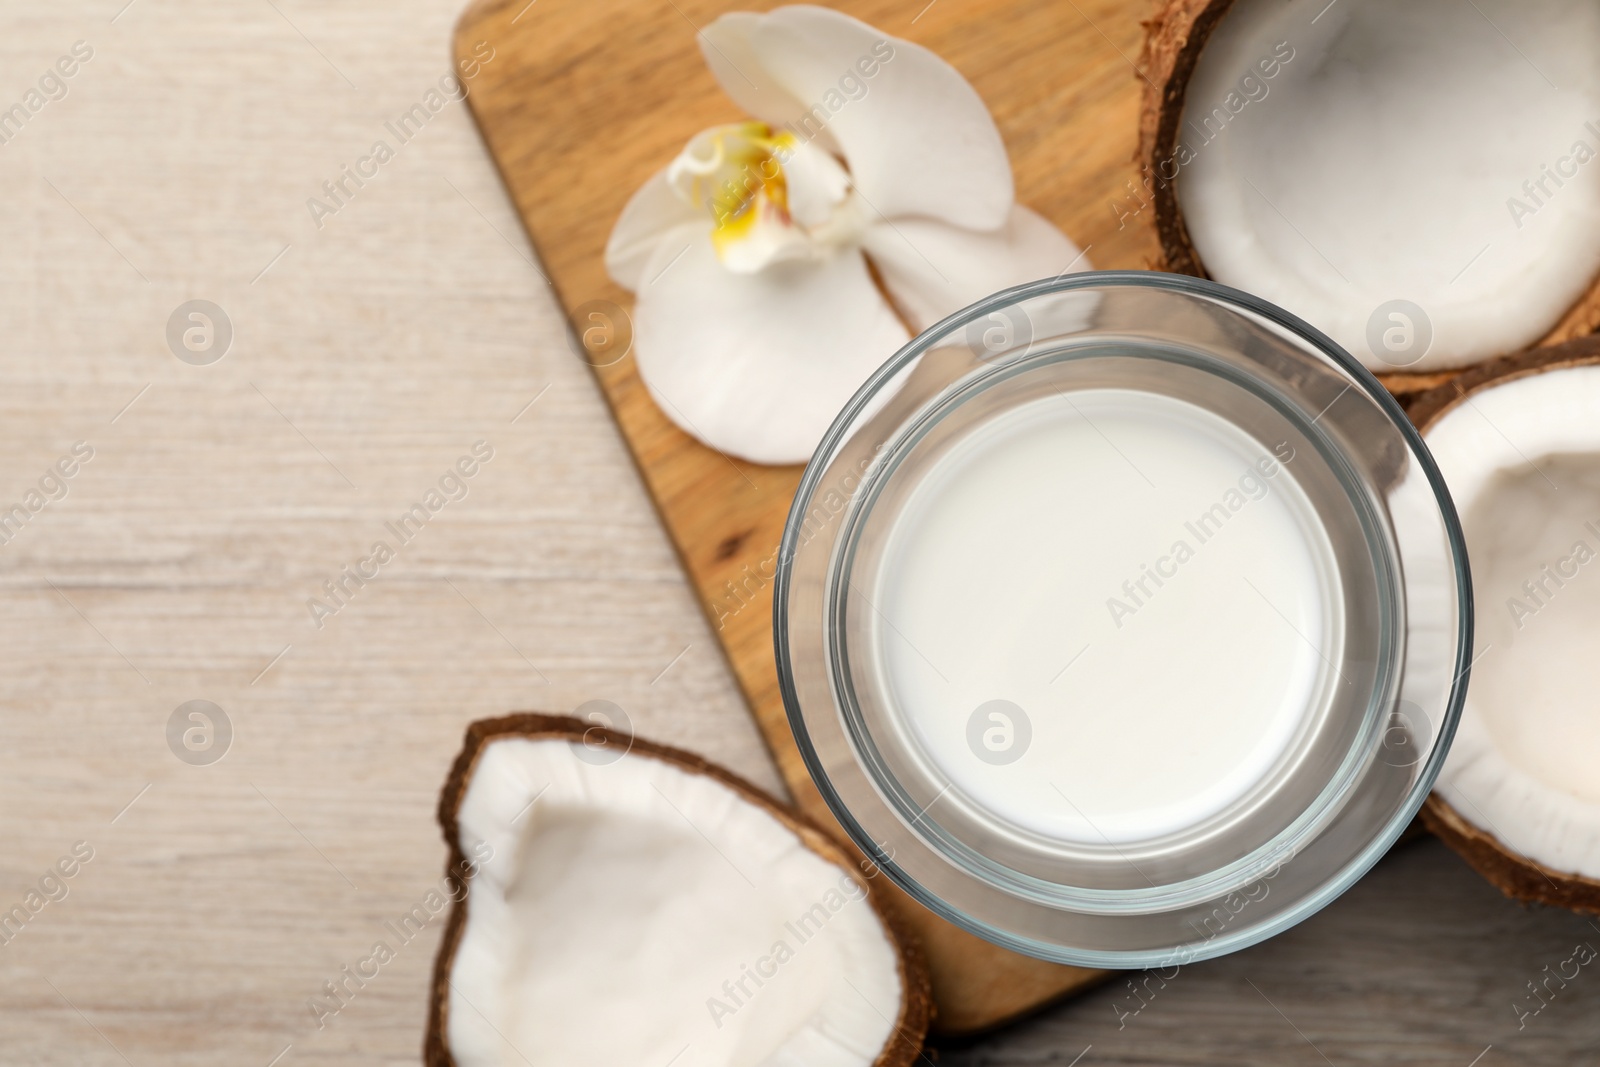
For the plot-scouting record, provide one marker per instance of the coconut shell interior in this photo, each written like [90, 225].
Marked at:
[1517, 876]
[1175, 36]
[916, 1005]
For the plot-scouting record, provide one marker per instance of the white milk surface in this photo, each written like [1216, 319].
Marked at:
[1057, 559]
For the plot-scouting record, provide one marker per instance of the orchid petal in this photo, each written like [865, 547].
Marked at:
[767, 197]
[758, 365]
[651, 213]
[916, 136]
[743, 74]
[817, 184]
[932, 270]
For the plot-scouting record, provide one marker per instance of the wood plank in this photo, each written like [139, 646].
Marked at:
[584, 101]
[1420, 964]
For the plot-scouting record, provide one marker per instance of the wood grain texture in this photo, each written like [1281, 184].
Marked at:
[178, 566]
[591, 99]
[410, 324]
[1421, 964]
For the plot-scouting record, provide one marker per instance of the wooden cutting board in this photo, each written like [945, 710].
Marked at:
[585, 99]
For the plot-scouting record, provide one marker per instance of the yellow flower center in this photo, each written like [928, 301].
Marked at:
[746, 181]
[770, 197]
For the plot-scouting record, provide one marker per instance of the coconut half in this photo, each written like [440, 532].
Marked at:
[632, 904]
[1419, 180]
[1518, 443]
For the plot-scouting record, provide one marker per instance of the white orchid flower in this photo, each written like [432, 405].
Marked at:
[757, 315]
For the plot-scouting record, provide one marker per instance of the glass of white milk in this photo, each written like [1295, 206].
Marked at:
[1122, 619]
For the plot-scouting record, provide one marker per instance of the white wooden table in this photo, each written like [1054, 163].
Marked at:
[368, 354]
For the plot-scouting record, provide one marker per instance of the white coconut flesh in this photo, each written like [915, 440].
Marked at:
[638, 913]
[1431, 151]
[1522, 461]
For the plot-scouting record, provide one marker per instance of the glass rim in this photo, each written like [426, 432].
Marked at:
[1240, 302]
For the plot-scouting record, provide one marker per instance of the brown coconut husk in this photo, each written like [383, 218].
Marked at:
[916, 1003]
[1175, 36]
[1515, 875]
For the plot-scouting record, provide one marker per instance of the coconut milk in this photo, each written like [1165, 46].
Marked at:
[1105, 616]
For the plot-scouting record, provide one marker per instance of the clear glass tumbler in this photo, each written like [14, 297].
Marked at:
[1123, 619]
